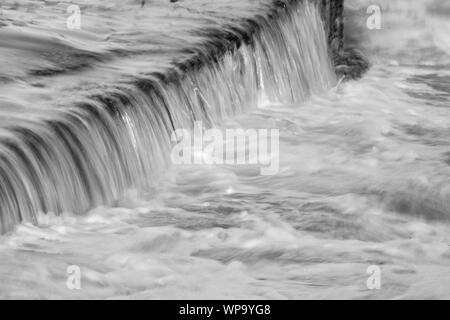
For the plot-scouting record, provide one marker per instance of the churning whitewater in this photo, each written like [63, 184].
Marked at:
[86, 178]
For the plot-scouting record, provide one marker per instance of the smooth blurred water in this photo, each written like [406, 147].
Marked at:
[363, 181]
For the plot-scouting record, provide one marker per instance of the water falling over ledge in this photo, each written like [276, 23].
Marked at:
[74, 158]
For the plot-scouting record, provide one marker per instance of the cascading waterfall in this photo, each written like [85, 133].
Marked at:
[73, 159]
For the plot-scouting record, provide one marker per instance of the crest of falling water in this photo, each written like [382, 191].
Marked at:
[89, 154]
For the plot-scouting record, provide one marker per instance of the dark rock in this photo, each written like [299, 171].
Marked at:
[333, 17]
[350, 63]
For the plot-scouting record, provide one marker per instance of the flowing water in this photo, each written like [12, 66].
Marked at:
[362, 174]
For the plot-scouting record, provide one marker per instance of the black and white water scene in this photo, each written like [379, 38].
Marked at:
[225, 149]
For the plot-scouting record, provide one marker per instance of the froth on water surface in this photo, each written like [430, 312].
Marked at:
[363, 182]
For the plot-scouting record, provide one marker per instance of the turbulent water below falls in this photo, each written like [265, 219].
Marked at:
[363, 181]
